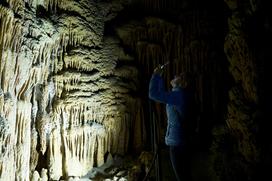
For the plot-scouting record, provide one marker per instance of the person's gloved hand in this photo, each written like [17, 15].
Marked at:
[158, 70]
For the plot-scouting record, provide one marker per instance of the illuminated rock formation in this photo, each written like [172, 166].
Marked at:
[63, 97]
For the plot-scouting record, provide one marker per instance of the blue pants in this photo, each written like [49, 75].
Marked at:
[180, 159]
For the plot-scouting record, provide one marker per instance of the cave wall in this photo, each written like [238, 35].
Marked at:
[189, 35]
[239, 144]
[74, 81]
[222, 45]
[65, 103]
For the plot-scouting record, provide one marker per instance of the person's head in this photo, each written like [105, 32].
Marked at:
[180, 80]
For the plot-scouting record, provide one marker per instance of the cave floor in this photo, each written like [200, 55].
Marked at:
[126, 169]
[199, 166]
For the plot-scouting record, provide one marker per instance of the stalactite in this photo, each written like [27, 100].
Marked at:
[154, 53]
[33, 152]
[160, 5]
[16, 5]
[38, 56]
[7, 138]
[23, 140]
[55, 155]
[49, 5]
[114, 129]
[12, 30]
[9, 40]
[77, 161]
[53, 5]
[139, 134]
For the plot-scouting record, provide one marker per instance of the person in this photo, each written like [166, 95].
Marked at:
[177, 109]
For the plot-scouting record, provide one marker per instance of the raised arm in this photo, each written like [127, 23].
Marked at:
[158, 93]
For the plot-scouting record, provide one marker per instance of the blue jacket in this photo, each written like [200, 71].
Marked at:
[175, 101]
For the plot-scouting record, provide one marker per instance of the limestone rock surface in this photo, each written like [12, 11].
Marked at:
[63, 98]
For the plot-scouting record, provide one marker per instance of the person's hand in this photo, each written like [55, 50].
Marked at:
[158, 70]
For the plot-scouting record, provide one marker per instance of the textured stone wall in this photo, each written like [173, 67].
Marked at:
[74, 79]
[189, 39]
[236, 144]
[65, 100]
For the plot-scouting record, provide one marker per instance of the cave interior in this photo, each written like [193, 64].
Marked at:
[74, 77]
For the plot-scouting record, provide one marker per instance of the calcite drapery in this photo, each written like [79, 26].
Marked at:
[63, 97]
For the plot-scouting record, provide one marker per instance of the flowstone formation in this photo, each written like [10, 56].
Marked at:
[236, 143]
[66, 100]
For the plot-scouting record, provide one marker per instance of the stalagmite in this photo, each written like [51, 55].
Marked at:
[35, 176]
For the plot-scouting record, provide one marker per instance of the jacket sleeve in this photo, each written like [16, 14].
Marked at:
[158, 93]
